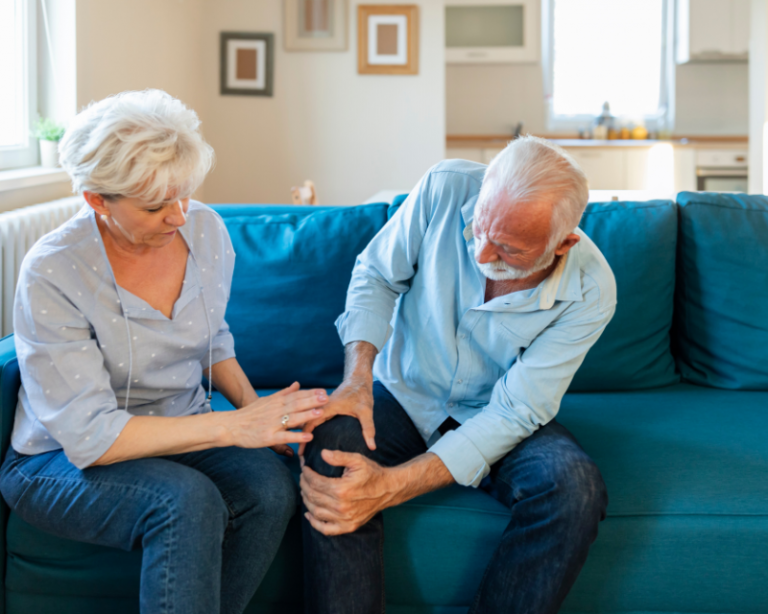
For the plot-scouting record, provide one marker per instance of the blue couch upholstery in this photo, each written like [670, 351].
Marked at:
[685, 462]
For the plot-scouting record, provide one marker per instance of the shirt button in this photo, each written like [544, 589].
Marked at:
[450, 404]
[460, 381]
[426, 431]
[462, 336]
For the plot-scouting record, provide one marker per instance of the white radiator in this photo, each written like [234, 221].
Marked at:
[19, 231]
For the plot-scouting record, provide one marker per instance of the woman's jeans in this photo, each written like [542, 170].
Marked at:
[209, 522]
[553, 489]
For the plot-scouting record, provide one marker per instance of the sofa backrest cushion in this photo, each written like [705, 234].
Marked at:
[292, 270]
[639, 241]
[721, 325]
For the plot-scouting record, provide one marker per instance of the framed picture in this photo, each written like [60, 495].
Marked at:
[387, 39]
[315, 25]
[247, 63]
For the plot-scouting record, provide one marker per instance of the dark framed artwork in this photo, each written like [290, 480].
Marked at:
[247, 63]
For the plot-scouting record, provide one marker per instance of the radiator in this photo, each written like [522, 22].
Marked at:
[19, 231]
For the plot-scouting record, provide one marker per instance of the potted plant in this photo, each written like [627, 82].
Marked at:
[49, 133]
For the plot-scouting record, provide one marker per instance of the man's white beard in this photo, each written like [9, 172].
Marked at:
[498, 270]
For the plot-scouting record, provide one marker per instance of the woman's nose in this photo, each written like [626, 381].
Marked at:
[177, 216]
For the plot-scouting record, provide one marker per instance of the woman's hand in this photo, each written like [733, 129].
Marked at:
[260, 423]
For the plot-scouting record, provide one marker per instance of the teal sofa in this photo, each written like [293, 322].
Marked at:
[672, 403]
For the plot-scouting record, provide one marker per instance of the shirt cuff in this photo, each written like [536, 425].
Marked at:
[363, 325]
[462, 458]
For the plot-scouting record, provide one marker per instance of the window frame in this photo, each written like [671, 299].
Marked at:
[28, 154]
[661, 121]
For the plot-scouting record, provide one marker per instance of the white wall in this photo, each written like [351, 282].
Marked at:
[353, 135]
[758, 101]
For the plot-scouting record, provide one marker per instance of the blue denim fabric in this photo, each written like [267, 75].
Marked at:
[209, 522]
[554, 491]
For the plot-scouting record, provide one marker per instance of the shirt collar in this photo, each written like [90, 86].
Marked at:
[563, 284]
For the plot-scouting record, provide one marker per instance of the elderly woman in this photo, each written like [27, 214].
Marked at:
[118, 314]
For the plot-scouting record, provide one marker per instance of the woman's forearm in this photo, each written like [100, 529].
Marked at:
[230, 380]
[145, 436]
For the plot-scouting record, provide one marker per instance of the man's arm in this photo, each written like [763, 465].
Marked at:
[354, 397]
[342, 505]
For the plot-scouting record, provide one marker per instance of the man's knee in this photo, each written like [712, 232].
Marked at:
[583, 497]
[342, 433]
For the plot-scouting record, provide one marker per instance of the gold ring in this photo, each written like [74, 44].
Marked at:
[285, 420]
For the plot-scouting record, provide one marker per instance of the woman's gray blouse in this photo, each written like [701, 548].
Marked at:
[79, 336]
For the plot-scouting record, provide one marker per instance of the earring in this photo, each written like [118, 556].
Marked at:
[104, 218]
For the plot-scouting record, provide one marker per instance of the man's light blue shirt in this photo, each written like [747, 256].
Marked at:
[499, 368]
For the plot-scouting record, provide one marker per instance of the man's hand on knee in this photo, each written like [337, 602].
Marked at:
[342, 505]
[353, 398]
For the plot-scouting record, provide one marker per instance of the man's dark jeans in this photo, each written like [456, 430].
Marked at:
[554, 490]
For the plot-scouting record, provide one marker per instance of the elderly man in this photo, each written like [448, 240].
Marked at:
[501, 296]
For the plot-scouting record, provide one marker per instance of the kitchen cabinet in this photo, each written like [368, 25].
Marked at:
[712, 30]
[608, 167]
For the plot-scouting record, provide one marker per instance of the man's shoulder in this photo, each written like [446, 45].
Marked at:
[597, 275]
[459, 170]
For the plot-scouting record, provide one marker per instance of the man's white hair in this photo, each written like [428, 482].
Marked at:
[530, 169]
[141, 145]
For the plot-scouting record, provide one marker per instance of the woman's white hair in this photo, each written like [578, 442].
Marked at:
[531, 168]
[144, 145]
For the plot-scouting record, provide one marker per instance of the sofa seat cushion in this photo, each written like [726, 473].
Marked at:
[290, 283]
[687, 526]
[722, 290]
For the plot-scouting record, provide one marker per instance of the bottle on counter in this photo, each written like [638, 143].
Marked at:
[624, 133]
[603, 123]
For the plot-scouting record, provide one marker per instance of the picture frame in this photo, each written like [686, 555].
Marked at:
[388, 39]
[316, 25]
[247, 63]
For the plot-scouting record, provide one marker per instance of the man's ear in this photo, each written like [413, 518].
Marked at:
[569, 241]
[96, 201]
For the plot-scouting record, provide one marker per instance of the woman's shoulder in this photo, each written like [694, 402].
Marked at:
[67, 242]
[206, 230]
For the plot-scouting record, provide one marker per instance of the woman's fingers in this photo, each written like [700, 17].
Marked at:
[292, 388]
[299, 418]
[291, 437]
[300, 401]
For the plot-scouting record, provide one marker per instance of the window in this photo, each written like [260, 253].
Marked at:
[613, 51]
[17, 83]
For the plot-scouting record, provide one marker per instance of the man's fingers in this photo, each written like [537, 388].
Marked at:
[317, 482]
[319, 511]
[337, 458]
[369, 430]
[326, 528]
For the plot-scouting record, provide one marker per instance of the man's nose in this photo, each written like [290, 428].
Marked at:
[485, 252]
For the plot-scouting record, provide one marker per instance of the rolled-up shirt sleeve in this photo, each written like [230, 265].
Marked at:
[528, 396]
[63, 371]
[384, 269]
[223, 346]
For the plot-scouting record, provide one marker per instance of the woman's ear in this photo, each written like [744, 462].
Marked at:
[97, 203]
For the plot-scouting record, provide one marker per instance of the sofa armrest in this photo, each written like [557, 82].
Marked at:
[10, 381]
